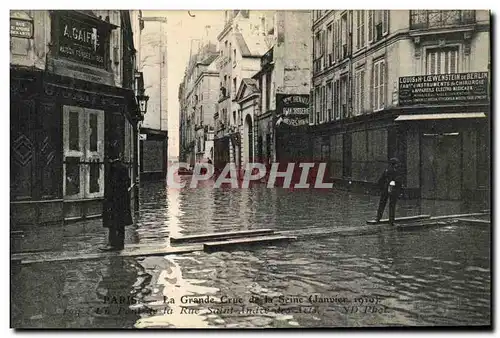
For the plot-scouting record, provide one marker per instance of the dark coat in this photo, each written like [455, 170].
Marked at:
[117, 211]
[390, 174]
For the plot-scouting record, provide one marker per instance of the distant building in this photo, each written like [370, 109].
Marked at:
[386, 83]
[154, 67]
[246, 36]
[275, 100]
[198, 96]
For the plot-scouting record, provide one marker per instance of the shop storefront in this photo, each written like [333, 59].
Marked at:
[63, 120]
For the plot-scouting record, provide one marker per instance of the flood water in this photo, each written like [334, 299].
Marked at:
[434, 276]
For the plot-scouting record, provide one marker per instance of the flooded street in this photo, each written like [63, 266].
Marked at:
[436, 276]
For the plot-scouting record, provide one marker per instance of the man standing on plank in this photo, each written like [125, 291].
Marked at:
[390, 184]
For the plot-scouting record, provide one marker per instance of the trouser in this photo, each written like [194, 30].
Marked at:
[392, 206]
[116, 236]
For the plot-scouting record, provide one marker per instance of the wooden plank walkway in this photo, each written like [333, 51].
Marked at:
[221, 235]
[400, 219]
[241, 239]
[461, 215]
[216, 246]
[128, 251]
[474, 221]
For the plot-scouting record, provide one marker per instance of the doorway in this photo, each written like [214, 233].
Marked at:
[440, 166]
[83, 153]
[248, 139]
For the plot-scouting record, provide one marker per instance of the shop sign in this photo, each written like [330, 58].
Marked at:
[20, 28]
[293, 109]
[443, 88]
[82, 41]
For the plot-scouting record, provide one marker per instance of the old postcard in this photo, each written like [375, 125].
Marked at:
[250, 169]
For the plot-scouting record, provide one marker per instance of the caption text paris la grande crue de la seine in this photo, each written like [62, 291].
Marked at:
[250, 305]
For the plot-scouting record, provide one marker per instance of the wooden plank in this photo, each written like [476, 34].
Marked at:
[221, 235]
[400, 219]
[421, 225]
[474, 221]
[127, 252]
[460, 215]
[214, 246]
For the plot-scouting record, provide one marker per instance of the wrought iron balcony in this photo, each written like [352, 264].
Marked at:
[431, 19]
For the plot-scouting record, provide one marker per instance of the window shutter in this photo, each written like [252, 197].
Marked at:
[335, 41]
[370, 26]
[438, 62]
[350, 44]
[324, 50]
[385, 22]
[362, 34]
[453, 61]
[358, 27]
[361, 91]
[372, 87]
[431, 61]
[382, 85]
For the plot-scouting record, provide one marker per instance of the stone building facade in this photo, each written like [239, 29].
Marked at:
[366, 107]
[246, 36]
[198, 97]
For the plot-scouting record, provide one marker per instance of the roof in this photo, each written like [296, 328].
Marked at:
[252, 45]
[209, 59]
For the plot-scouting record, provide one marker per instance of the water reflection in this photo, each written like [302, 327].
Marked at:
[437, 276]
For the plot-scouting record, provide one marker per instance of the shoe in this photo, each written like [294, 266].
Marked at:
[109, 248]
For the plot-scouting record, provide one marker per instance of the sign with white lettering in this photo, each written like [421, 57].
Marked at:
[443, 88]
[82, 41]
[294, 109]
[20, 28]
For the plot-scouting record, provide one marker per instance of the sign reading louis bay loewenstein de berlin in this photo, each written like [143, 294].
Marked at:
[443, 88]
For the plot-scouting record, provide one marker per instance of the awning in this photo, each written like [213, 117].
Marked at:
[443, 116]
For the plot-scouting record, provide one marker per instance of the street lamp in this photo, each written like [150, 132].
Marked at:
[143, 103]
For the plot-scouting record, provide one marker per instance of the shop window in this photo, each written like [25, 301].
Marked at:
[83, 153]
[74, 131]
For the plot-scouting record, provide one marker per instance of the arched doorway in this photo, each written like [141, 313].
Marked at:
[248, 139]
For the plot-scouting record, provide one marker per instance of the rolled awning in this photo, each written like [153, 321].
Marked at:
[441, 116]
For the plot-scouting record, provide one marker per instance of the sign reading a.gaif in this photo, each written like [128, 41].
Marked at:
[443, 88]
[82, 40]
[20, 28]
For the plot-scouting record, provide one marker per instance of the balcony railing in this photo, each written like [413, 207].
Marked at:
[429, 19]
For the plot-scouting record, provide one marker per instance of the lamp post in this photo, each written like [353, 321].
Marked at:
[142, 100]
[142, 104]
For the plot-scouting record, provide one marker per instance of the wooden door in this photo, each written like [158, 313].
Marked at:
[441, 157]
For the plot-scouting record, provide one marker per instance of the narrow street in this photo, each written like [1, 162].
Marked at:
[444, 282]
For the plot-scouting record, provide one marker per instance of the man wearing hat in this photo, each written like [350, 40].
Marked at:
[390, 184]
[117, 213]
